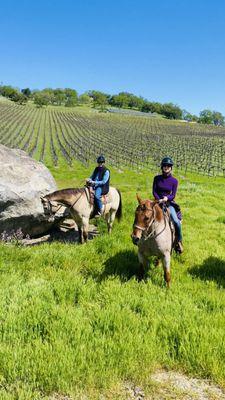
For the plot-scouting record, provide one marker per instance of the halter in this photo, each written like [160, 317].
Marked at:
[61, 205]
[152, 233]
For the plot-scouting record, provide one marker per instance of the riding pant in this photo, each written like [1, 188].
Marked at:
[176, 222]
[98, 193]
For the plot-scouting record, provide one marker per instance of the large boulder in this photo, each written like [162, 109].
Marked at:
[22, 182]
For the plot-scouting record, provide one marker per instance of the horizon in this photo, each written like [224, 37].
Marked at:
[167, 52]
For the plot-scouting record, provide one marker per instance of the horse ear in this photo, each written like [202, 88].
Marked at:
[138, 198]
[42, 198]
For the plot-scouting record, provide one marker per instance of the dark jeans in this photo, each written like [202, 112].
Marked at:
[176, 222]
[98, 193]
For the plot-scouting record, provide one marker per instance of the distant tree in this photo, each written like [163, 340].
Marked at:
[119, 100]
[19, 98]
[26, 92]
[59, 97]
[152, 107]
[71, 102]
[100, 99]
[218, 118]
[171, 111]
[85, 99]
[71, 97]
[7, 91]
[211, 117]
[206, 117]
[136, 102]
[187, 116]
[41, 99]
[49, 94]
[13, 94]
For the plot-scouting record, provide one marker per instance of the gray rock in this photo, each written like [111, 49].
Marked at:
[22, 182]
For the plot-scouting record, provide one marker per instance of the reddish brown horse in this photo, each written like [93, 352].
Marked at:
[153, 235]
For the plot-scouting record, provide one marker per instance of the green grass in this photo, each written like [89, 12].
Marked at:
[75, 320]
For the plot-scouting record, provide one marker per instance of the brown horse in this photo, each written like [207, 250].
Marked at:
[153, 235]
[81, 208]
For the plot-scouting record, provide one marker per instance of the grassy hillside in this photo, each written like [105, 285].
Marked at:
[75, 321]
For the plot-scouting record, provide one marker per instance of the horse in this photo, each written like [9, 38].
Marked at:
[153, 234]
[78, 201]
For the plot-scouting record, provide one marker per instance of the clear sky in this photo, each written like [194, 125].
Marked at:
[165, 50]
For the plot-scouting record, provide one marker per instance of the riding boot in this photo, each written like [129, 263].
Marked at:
[99, 213]
[178, 246]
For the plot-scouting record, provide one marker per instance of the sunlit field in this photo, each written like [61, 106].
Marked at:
[75, 321]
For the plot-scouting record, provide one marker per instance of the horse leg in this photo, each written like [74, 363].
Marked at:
[110, 219]
[80, 234]
[85, 226]
[143, 264]
[166, 268]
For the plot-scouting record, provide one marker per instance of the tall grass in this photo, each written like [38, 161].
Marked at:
[74, 319]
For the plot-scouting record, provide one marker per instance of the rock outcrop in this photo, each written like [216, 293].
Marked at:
[22, 182]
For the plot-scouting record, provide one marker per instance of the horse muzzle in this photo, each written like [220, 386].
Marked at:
[135, 239]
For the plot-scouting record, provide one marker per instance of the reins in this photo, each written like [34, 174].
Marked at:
[152, 233]
[61, 205]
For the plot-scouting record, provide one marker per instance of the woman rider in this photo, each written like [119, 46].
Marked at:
[164, 190]
[100, 179]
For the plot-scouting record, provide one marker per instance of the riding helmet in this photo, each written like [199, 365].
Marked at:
[101, 159]
[167, 161]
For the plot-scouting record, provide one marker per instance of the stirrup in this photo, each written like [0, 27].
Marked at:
[178, 247]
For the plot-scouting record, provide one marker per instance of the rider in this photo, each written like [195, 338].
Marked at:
[164, 190]
[100, 181]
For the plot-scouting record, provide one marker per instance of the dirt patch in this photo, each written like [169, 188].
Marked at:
[163, 385]
[174, 385]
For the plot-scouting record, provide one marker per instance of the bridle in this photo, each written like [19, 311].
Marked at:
[49, 205]
[151, 233]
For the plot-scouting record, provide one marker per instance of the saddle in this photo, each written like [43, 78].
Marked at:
[105, 198]
[166, 212]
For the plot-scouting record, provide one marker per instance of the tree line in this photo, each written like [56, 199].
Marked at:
[69, 97]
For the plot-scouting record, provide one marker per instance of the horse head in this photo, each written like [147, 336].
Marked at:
[49, 207]
[146, 213]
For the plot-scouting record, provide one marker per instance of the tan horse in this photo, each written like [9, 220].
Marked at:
[153, 235]
[79, 203]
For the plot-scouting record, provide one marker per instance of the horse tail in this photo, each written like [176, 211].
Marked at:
[119, 209]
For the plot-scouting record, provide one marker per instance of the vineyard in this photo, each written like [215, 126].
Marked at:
[53, 135]
[75, 321]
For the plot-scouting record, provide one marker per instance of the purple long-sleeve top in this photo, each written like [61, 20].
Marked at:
[164, 186]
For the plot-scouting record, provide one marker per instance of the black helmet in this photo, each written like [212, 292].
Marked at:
[167, 161]
[101, 159]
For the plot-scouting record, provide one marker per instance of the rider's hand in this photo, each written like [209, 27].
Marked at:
[163, 200]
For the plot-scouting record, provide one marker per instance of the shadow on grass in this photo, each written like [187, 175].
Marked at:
[213, 269]
[57, 235]
[123, 264]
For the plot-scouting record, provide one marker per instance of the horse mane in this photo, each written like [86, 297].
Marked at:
[68, 191]
[158, 212]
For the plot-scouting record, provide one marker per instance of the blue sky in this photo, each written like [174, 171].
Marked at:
[165, 50]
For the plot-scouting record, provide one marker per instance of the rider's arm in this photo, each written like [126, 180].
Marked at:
[104, 180]
[154, 189]
[172, 195]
